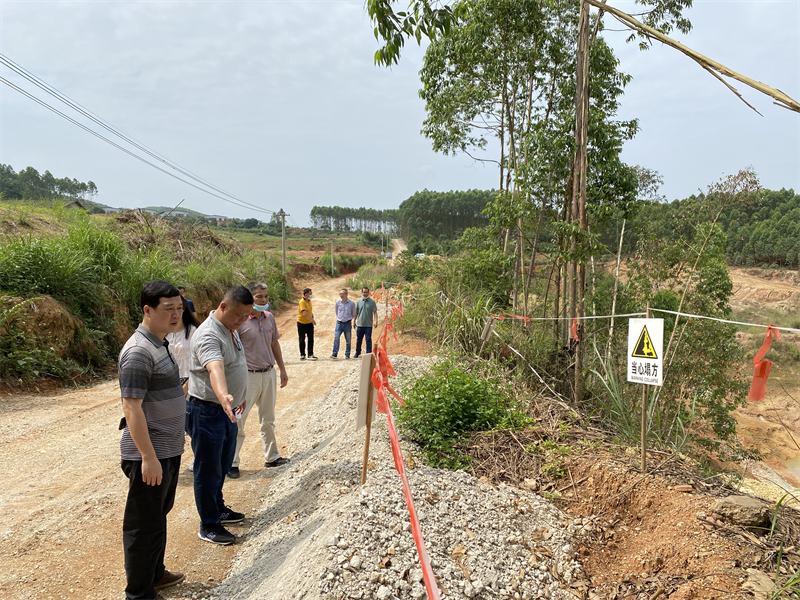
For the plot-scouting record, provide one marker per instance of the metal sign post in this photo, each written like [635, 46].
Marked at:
[645, 362]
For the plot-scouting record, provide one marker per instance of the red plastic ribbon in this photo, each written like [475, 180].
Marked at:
[520, 317]
[758, 387]
[380, 378]
[575, 329]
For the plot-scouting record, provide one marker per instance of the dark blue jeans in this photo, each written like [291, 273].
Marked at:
[144, 526]
[345, 328]
[214, 444]
[361, 333]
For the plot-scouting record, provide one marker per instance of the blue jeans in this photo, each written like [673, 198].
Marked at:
[345, 328]
[361, 333]
[214, 444]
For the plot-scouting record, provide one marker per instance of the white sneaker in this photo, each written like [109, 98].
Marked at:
[312, 357]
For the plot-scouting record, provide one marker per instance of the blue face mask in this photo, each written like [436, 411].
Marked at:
[310, 296]
[261, 307]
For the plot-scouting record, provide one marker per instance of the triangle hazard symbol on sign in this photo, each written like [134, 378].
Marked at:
[644, 346]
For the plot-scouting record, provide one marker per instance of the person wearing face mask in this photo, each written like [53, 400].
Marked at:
[217, 398]
[259, 334]
[305, 325]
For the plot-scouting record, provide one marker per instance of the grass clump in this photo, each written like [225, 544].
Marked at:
[345, 262]
[22, 359]
[446, 405]
[95, 269]
[375, 275]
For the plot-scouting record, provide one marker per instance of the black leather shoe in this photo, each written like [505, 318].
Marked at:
[278, 462]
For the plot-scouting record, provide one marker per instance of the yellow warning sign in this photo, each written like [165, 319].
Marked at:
[644, 347]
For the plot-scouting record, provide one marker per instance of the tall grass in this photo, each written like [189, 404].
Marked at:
[374, 276]
[94, 272]
[345, 261]
[669, 425]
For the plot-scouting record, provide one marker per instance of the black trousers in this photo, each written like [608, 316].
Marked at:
[144, 526]
[303, 330]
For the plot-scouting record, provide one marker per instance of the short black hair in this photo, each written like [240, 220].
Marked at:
[153, 291]
[238, 294]
[306, 291]
[180, 287]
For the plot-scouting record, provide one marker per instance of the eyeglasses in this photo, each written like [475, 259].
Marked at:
[236, 342]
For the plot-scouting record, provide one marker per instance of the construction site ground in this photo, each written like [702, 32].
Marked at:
[63, 491]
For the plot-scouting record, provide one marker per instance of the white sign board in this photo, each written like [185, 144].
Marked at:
[645, 351]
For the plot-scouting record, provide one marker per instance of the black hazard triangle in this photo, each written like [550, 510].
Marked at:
[644, 346]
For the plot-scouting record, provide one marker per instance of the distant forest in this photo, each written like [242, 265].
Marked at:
[443, 215]
[762, 232]
[357, 220]
[29, 184]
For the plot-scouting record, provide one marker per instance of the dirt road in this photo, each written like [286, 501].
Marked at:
[63, 491]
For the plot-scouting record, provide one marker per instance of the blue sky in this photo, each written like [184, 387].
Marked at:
[280, 103]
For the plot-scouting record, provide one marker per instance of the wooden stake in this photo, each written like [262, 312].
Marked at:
[371, 391]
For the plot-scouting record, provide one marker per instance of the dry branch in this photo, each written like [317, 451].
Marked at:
[782, 99]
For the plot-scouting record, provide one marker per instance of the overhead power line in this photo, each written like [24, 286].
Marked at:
[125, 150]
[111, 128]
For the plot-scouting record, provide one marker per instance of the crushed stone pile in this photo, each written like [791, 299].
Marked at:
[320, 535]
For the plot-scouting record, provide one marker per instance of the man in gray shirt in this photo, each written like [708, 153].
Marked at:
[217, 392]
[152, 440]
[366, 319]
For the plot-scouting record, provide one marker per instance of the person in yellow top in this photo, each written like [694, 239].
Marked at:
[305, 325]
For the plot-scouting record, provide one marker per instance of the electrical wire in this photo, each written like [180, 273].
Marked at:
[40, 83]
[125, 150]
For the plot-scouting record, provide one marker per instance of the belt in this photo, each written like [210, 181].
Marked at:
[206, 402]
[348, 321]
[269, 368]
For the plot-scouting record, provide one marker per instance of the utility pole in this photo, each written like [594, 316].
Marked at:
[333, 273]
[283, 216]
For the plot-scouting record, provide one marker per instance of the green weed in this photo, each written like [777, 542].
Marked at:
[447, 404]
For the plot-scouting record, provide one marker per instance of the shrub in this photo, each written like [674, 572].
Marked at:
[447, 404]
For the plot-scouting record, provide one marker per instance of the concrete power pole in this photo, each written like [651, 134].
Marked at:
[283, 216]
[333, 273]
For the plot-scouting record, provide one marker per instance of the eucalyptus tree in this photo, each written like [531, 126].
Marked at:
[505, 70]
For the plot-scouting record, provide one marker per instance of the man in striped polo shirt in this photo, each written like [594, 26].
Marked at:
[152, 441]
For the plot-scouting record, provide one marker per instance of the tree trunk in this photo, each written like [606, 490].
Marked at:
[578, 286]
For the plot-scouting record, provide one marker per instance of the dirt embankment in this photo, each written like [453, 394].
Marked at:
[764, 288]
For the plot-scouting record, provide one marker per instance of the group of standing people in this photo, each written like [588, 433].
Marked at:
[361, 316]
[205, 387]
[178, 376]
